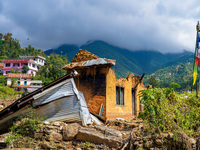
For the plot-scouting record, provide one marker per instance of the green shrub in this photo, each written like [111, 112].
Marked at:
[25, 125]
[166, 110]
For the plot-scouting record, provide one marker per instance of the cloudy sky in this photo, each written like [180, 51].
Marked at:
[163, 25]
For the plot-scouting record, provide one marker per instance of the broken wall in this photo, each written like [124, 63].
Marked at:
[114, 110]
[91, 82]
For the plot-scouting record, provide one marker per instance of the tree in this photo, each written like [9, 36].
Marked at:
[153, 82]
[13, 81]
[25, 69]
[14, 71]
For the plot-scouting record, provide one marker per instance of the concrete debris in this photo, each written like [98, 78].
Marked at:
[100, 135]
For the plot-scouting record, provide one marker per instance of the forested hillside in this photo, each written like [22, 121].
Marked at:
[181, 74]
[10, 48]
[137, 62]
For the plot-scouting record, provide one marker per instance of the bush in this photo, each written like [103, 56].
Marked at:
[166, 110]
[25, 125]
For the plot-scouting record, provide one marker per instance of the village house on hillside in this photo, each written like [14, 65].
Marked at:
[34, 63]
[23, 82]
[104, 93]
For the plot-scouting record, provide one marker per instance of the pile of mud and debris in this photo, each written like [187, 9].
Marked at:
[115, 134]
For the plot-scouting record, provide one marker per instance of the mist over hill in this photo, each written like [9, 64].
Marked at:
[127, 61]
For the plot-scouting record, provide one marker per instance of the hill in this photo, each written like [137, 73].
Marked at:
[181, 74]
[138, 62]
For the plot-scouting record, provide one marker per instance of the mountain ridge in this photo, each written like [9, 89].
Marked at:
[127, 61]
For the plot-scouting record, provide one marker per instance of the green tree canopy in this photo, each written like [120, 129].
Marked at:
[25, 69]
[153, 82]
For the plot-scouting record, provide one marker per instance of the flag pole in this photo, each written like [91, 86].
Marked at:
[196, 59]
[196, 89]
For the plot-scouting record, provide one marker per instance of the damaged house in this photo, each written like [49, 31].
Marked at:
[59, 100]
[105, 94]
[67, 99]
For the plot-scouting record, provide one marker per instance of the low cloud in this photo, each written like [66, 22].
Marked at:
[165, 26]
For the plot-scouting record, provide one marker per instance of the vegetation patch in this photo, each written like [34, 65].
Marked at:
[22, 131]
[165, 110]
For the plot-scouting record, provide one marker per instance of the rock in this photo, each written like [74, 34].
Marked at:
[164, 135]
[170, 135]
[47, 145]
[61, 146]
[158, 142]
[108, 131]
[50, 129]
[148, 144]
[136, 143]
[46, 123]
[141, 141]
[192, 141]
[38, 136]
[70, 131]
[138, 138]
[57, 123]
[99, 135]
[56, 137]
[139, 147]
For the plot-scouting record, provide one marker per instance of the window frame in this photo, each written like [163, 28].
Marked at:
[8, 65]
[120, 96]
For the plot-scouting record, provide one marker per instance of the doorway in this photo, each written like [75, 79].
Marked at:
[134, 102]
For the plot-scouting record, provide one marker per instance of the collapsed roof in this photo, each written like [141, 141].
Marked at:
[86, 59]
[59, 100]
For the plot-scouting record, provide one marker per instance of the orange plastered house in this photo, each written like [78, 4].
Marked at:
[105, 94]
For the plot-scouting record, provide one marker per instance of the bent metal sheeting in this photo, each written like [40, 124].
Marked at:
[63, 102]
[88, 63]
[59, 100]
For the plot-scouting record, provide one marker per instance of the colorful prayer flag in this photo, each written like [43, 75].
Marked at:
[196, 59]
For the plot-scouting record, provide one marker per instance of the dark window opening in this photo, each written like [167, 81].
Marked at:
[8, 65]
[119, 95]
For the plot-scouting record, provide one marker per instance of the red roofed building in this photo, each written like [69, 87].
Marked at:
[23, 81]
[1, 68]
[33, 63]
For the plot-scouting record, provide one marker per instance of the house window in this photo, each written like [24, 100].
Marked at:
[8, 65]
[119, 95]
[18, 83]
[25, 82]
[7, 72]
[16, 65]
[33, 65]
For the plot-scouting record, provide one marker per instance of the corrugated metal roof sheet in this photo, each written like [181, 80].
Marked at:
[61, 90]
[94, 62]
[21, 102]
[63, 102]
[64, 109]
